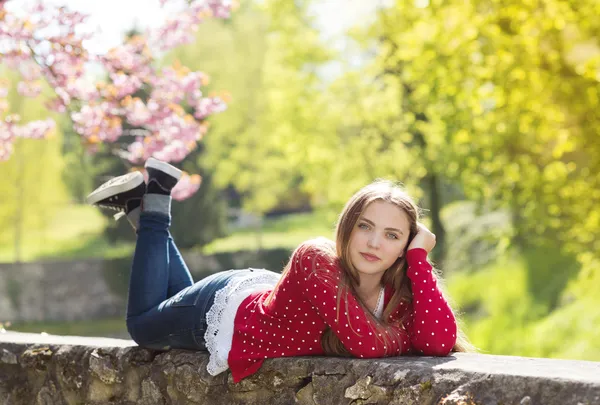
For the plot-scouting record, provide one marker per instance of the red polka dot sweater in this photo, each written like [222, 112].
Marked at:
[305, 303]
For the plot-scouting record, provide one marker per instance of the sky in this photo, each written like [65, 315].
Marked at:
[109, 19]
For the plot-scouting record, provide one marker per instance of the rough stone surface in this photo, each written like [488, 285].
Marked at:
[55, 370]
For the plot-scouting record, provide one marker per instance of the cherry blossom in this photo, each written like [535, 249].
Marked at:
[187, 185]
[166, 107]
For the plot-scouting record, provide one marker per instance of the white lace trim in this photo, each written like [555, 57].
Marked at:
[379, 307]
[220, 317]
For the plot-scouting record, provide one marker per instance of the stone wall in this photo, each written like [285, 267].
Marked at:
[60, 291]
[97, 288]
[48, 370]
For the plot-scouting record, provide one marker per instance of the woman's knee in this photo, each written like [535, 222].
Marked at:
[133, 331]
[141, 336]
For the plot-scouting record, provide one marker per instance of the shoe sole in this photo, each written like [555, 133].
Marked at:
[163, 167]
[115, 186]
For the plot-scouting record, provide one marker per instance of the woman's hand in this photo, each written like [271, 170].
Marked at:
[424, 239]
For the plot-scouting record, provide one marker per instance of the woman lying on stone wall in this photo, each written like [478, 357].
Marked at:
[372, 293]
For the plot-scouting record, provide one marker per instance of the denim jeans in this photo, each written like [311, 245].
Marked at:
[165, 309]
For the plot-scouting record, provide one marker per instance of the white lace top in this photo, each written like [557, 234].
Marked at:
[221, 316]
[379, 308]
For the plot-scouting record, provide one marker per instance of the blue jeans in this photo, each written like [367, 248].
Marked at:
[165, 309]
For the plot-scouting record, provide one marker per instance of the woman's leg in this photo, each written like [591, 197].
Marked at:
[161, 305]
[179, 274]
[150, 274]
[149, 280]
[161, 309]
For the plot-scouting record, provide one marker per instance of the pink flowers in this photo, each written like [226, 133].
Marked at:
[180, 30]
[98, 123]
[186, 187]
[9, 130]
[166, 107]
[29, 89]
[208, 106]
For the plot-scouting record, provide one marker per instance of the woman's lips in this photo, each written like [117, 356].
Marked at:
[371, 258]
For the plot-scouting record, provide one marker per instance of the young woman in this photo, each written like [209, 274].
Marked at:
[372, 293]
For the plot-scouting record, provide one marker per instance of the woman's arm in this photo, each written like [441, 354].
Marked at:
[432, 326]
[318, 279]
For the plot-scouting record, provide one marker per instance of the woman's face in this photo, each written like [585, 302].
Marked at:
[378, 238]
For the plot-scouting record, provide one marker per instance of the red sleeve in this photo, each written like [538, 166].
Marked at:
[432, 326]
[319, 277]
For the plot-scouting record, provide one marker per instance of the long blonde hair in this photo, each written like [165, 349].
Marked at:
[394, 276]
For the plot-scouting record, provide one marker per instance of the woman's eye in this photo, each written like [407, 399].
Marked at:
[363, 226]
[392, 236]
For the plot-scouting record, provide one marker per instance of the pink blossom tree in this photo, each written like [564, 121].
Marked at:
[45, 44]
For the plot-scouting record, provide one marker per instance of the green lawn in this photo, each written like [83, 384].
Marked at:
[74, 232]
[505, 311]
[113, 327]
[283, 232]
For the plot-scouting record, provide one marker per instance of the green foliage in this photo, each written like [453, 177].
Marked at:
[506, 96]
[265, 58]
[570, 332]
[499, 99]
[32, 189]
[549, 273]
[476, 236]
[201, 218]
[497, 306]
[515, 301]
[81, 168]
[506, 310]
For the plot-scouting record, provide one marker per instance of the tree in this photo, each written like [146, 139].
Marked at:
[231, 53]
[30, 192]
[44, 45]
[509, 96]
[258, 147]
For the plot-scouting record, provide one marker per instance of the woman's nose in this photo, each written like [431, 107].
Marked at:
[373, 241]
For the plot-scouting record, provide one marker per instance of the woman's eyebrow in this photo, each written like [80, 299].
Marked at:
[386, 229]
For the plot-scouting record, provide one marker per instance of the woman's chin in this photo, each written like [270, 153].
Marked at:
[370, 269]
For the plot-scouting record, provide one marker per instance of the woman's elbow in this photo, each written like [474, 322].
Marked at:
[437, 349]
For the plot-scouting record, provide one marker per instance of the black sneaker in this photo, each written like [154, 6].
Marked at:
[162, 177]
[123, 193]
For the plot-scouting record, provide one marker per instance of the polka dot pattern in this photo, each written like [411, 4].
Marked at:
[305, 303]
[431, 325]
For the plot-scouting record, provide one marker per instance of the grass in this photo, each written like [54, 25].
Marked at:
[503, 312]
[283, 232]
[74, 232]
[112, 327]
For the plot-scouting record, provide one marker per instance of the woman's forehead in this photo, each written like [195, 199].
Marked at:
[386, 214]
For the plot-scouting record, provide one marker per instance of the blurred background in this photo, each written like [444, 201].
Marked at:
[487, 111]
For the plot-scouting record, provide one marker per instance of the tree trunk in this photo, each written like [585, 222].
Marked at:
[19, 213]
[435, 203]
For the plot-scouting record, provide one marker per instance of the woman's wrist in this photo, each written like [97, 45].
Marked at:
[416, 254]
[416, 259]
